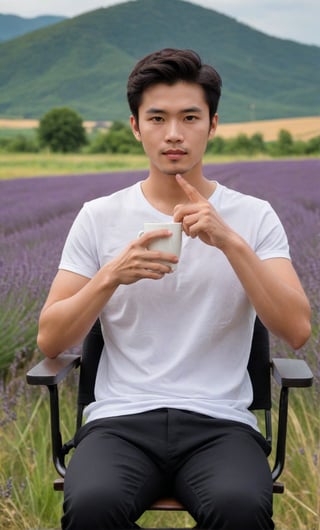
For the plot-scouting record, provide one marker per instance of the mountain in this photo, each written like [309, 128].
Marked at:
[84, 63]
[12, 26]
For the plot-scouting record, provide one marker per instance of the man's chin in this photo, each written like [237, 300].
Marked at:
[174, 171]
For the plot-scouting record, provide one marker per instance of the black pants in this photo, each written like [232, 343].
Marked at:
[218, 469]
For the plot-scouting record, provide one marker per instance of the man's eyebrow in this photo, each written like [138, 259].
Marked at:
[155, 110]
[192, 109]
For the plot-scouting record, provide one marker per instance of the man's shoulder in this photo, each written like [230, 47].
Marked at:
[231, 197]
[114, 199]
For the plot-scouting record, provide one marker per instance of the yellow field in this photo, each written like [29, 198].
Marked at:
[300, 128]
[31, 124]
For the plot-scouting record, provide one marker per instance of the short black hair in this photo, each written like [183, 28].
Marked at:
[171, 65]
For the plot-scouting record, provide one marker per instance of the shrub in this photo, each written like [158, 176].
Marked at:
[61, 130]
[313, 146]
[283, 146]
[217, 145]
[241, 144]
[22, 144]
[257, 143]
[119, 139]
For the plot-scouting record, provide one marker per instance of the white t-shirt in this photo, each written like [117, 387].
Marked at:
[182, 341]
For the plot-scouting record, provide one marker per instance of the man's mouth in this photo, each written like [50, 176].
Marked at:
[174, 154]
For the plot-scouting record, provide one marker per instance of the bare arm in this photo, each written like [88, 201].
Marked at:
[74, 301]
[271, 285]
[275, 291]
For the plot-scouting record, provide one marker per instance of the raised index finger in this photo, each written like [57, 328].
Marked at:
[191, 192]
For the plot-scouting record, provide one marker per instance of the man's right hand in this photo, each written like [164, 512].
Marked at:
[137, 262]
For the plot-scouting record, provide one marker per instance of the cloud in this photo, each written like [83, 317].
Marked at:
[291, 19]
[288, 19]
[31, 8]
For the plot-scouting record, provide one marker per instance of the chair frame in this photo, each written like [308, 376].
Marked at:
[288, 373]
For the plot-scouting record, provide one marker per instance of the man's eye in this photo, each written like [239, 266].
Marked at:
[191, 118]
[157, 119]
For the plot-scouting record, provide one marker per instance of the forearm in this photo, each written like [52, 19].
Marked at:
[75, 302]
[271, 285]
[64, 322]
[274, 290]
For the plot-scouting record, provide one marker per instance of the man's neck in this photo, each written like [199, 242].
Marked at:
[164, 193]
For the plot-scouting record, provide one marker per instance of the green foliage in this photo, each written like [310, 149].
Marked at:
[250, 146]
[217, 146]
[17, 333]
[19, 144]
[84, 62]
[257, 143]
[285, 142]
[313, 146]
[298, 507]
[119, 139]
[62, 131]
[286, 146]
[241, 144]
[27, 498]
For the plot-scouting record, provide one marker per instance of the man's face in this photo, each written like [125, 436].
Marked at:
[174, 126]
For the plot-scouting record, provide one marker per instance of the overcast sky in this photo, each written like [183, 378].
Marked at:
[297, 20]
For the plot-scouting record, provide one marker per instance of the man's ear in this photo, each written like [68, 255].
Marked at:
[135, 128]
[213, 126]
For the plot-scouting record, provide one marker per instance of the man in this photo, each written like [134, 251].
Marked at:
[172, 390]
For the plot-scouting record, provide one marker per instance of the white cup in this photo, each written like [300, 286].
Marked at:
[171, 244]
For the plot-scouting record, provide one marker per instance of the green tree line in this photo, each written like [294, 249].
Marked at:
[62, 130]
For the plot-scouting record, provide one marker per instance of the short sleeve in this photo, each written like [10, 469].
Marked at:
[79, 254]
[272, 241]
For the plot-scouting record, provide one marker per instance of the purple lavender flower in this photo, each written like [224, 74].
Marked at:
[36, 214]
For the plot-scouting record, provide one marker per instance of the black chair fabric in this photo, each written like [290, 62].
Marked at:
[258, 366]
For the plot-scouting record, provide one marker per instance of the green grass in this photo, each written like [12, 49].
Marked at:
[27, 499]
[12, 133]
[43, 164]
[298, 507]
[19, 165]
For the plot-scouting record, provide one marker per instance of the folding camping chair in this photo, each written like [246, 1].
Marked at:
[288, 373]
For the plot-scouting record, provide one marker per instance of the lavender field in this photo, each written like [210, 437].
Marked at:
[35, 216]
[36, 213]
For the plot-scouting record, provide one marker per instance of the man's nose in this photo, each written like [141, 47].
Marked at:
[174, 132]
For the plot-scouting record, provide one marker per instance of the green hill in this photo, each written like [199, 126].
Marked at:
[12, 26]
[84, 63]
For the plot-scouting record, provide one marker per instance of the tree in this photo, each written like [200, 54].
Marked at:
[118, 139]
[257, 143]
[61, 130]
[313, 146]
[217, 145]
[285, 142]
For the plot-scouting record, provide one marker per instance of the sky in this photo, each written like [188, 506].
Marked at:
[296, 20]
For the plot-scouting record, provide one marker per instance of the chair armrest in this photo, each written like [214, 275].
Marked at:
[288, 373]
[292, 372]
[51, 371]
